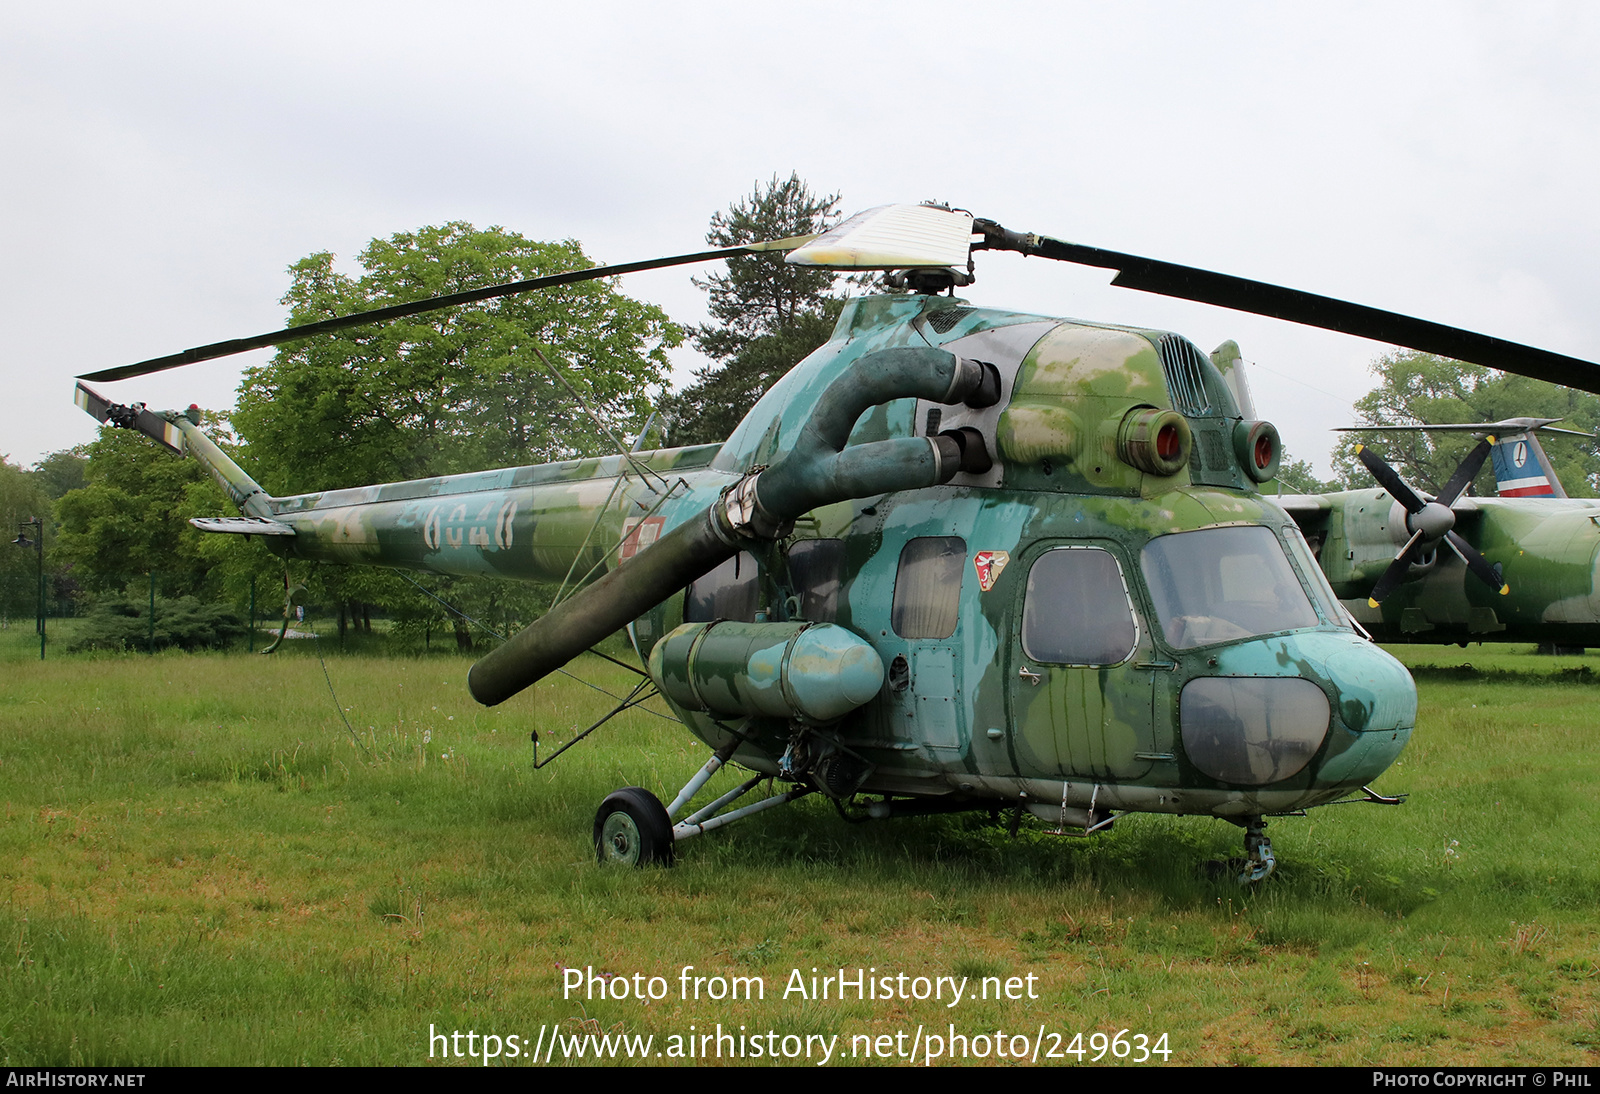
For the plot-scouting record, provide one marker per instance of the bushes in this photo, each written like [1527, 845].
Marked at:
[123, 623]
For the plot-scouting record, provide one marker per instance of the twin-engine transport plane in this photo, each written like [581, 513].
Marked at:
[1523, 566]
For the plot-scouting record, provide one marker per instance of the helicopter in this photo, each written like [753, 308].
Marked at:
[958, 558]
[1407, 575]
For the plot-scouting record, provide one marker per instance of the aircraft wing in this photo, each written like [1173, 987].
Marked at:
[1301, 505]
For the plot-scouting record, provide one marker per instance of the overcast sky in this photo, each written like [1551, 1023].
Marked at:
[165, 163]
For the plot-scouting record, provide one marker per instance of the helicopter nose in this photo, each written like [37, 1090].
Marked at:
[1377, 710]
[1277, 704]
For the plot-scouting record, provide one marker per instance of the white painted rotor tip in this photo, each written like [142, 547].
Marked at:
[892, 237]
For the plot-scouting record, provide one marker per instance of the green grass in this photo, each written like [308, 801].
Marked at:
[198, 865]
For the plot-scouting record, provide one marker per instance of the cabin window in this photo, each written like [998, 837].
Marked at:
[1223, 584]
[1077, 610]
[815, 567]
[927, 588]
[728, 592]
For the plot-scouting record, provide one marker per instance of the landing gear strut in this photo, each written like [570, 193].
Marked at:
[633, 828]
[1259, 861]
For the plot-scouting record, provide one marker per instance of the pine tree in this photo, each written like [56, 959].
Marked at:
[769, 314]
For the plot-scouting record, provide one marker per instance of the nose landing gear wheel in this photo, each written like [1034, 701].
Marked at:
[631, 828]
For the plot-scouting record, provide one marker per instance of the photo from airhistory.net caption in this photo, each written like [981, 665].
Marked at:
[755, 1040]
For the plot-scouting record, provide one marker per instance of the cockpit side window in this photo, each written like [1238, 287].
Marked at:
[728, 592]
[1222, 584]
[927, 587]
[1077, 610]
[1311, 574]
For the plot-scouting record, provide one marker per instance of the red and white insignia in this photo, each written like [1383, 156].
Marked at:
[989, 564]
[639, 534]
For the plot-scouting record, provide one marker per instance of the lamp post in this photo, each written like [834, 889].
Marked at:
[37, 543]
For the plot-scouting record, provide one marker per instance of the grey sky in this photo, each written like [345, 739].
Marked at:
[166, 162]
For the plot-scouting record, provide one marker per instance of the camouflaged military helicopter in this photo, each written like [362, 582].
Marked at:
[959, 558]
[1408, 575]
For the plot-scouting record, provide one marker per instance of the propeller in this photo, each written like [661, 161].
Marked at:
[1308, 309]
[1429, 522]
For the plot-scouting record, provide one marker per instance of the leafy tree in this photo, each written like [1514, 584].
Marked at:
[21, 499]
[131, 517]
[769, 314]
[1299, 477]
[1421, 388]
[61, 471]
[447, 391]
[454, 390]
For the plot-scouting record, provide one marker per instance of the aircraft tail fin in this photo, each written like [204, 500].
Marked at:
[1522, 470]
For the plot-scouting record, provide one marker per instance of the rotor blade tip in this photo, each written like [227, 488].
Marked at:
[1371, 603]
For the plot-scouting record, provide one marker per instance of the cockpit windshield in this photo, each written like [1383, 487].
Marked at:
[1223, 584]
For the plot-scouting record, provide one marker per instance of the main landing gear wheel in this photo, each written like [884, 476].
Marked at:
[632, 829]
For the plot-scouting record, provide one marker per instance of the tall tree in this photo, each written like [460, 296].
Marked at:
[62, 470]
[1418, 388]
[769, 314]
[1299, 477]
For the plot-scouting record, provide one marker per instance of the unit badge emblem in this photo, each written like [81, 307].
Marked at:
[989, 564]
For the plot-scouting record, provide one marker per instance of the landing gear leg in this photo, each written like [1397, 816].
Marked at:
[633, 828]
[1259, 860]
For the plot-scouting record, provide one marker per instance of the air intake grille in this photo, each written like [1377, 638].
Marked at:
[1184, 365]
[944, 321]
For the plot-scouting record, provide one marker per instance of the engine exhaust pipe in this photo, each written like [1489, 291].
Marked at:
[818, 470]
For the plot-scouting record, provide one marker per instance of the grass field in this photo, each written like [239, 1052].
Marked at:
[201, 866]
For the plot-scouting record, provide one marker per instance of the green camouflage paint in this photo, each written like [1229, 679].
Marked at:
[1548, 550]
[957, 714]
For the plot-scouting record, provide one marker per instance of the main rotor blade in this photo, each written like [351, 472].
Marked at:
[1310, 309]
[399, 311]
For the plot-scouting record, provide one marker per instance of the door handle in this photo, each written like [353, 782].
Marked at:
[1030, 676]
